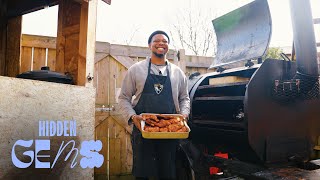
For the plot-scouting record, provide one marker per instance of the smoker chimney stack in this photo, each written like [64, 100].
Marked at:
[304, 38]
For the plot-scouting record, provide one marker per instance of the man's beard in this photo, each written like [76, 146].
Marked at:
[158, 55]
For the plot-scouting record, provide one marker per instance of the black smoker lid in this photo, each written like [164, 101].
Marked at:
[46, 75]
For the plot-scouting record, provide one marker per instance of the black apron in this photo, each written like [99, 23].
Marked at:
[154, 158]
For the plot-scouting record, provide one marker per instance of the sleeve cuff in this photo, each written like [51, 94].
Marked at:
[130, 122]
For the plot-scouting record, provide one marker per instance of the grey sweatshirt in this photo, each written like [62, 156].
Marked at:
[135, 79]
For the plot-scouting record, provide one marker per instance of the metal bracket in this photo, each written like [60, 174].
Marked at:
[89, 77]
[249, 64]
[104, 109]
[220, 69]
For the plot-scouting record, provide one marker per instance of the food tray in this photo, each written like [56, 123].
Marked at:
[165, 135]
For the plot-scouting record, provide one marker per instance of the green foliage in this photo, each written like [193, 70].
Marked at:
[273, 53]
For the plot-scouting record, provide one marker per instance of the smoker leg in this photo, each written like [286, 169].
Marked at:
[194, 157]
[184, 170]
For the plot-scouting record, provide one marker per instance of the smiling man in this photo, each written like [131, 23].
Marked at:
[159, 87]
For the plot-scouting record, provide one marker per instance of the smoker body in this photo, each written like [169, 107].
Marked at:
[266, 118]
[257, 120]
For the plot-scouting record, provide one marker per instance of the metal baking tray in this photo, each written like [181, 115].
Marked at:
[164, 135]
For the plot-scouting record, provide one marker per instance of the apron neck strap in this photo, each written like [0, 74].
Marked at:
[149, 67]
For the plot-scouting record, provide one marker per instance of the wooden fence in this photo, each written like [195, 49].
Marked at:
[37, 51]
[111, 64]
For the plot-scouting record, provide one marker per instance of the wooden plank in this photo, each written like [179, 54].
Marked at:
[91, 40]
[127, 166]
[116, 131]
[103, 47]
[119, 119]
[123, 50]
[26, 59]
[113, 128]
[121, 75]
[13, 46]
[101, 132]
[119, 130]
[51, 60]
[74, 29]
[124, 60]
[117, 74]
[114, 69]
[99, 56]
[102, 81]
[102, 127]
[3, 36]
[71, 56]
[72, 13]
[135, 51]
[95, 80]
[115, 162]
[204, 59]
[123, 149]
[83, 45]
[38, 41]
[60, 46]
[197, 64]
[181, 57]
[39, 58]
[68, 45]
[198, 61]
[130, 155]
[104, 152]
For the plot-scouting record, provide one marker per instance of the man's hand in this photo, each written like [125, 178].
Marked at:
[185, 117]
[137, 121]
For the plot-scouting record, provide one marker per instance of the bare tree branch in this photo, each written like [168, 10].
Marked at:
[129, 40]
[194, 32]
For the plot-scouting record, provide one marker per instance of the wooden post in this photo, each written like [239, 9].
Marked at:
[60, 40]
[87, 43]
[68, 38]
[182, 60]
[14, 28]
[3, 36]
[76, 40]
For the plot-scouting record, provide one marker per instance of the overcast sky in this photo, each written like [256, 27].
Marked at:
[133, 21]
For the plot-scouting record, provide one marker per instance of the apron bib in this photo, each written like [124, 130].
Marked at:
[154, 158]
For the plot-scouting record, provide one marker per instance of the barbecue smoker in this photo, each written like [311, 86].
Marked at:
[265, 116]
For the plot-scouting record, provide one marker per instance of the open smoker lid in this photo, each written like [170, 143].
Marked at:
[242, 34]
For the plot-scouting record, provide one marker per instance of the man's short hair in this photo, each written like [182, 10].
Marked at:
[158, 32]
